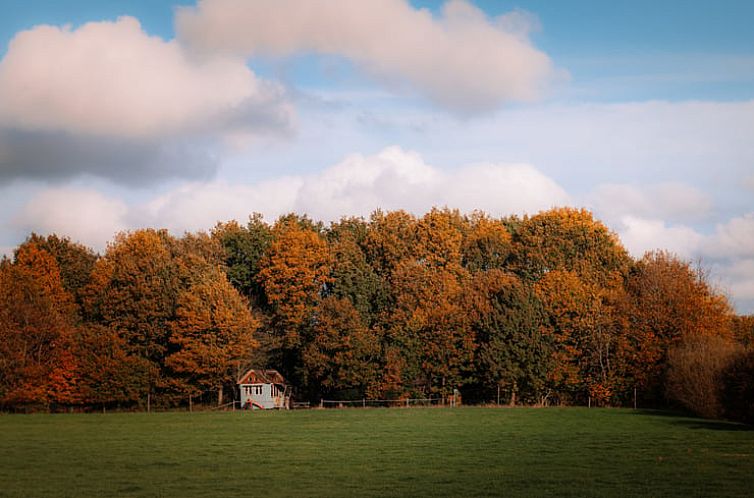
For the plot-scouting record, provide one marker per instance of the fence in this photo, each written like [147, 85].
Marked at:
[395, 403]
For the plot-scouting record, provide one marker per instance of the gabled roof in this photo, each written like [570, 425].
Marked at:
[254, 376]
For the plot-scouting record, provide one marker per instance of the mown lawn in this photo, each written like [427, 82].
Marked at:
[376, 452]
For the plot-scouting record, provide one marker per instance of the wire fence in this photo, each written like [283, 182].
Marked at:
[386, 403]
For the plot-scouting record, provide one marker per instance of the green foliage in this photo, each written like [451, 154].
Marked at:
[513, 353]
[243, 248]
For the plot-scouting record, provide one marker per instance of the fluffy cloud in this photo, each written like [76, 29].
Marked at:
[391, 179]
[110, 100]
[199, 205]
[641, 235]
[111, 78]
[734, 238]
[666, 201]
[397, 179]
[358, 185]
[84, 215]
[463, 60]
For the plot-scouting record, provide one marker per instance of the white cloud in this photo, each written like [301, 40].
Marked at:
[199, 206]
[734, 238]
[358, 185]
[392, 179]
[398, 179]
[462, 60]
[111, 78]
[666, 201]
[738, 278]
[84, 215]
[641, 235]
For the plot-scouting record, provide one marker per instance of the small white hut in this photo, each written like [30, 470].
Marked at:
[264, 390]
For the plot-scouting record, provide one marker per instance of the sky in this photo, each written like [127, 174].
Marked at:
[152, 113]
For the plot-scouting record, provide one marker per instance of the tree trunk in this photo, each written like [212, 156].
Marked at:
[220, 396]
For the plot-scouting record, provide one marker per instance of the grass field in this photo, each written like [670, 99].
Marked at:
[376, 452]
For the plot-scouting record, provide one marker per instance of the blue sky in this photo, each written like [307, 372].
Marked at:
[179, 117]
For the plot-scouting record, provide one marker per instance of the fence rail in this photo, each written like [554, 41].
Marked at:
[364, 403]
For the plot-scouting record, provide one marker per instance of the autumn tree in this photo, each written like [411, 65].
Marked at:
[294, 273]
[742, 328]
[589, 347]
[133, 292]
[74, 260]
[668, 301]
[430, 328]
[486, 244]
[695, 373]
[108, 375]
[568, 239]
[37, 320]
[391, 238]
[439, 236]
[212, 335]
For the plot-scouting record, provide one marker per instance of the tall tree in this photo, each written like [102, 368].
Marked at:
[568, 239]
[341, 353]
[486, 244]
[668, 300]
[431, 328]
[37, 320]
[294, 273]
[391, 239]
[212, 335]
[243, 248]
[134, 290]
[513, 355]
[107, 374]
[74, 260]
[352, 277]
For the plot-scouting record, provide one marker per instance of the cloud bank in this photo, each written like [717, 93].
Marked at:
[358, 185]
[89, 100]
[462, 60]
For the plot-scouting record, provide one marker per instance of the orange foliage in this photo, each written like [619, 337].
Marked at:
[294, 272]
[213, 333]
[38, 320]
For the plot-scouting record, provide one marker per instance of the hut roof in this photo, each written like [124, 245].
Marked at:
[255, 376]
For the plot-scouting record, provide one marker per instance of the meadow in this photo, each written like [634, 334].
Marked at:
[468, 451]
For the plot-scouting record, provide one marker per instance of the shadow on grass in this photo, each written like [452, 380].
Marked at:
[713, 425]
[682, 419]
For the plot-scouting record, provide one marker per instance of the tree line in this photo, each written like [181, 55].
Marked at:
[543, 309]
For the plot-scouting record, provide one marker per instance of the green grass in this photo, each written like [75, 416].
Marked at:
[376, 452]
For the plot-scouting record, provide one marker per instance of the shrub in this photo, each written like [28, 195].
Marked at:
[694, 376]
[738, 388]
